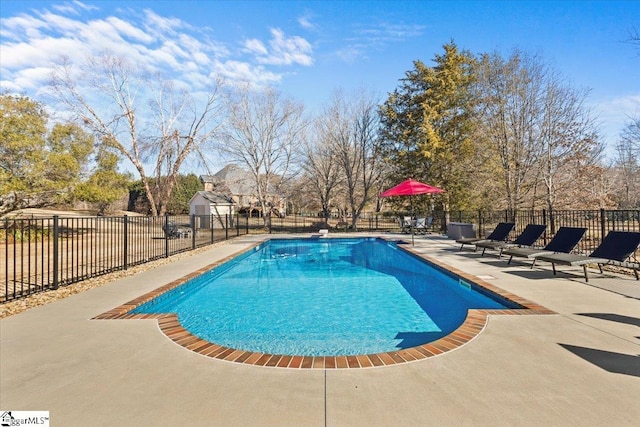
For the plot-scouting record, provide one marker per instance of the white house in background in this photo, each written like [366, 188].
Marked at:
[209, 205]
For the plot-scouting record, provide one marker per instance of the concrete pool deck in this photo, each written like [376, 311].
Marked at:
[580, 366]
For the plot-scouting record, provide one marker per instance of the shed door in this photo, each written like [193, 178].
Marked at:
[202, 219]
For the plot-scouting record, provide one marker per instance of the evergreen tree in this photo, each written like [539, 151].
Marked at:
[186, 187]
[38, 168]
[427, 125]
[22, 129]
[106, 185]
[69, 148]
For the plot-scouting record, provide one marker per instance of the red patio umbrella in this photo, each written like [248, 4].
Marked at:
[410, 188]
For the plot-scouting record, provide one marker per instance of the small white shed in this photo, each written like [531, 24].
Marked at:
[209, 206]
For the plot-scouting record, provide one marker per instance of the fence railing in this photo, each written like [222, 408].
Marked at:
[44, 253]
[598, 222]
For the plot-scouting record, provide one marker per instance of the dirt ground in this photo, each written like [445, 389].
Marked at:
[42, 298]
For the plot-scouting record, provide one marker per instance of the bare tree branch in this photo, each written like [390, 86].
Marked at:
[264, 133]
[106, 94]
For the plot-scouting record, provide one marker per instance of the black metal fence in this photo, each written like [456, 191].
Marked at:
[597, 222]
[44, 253]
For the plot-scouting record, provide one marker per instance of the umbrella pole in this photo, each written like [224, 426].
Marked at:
[411, 203]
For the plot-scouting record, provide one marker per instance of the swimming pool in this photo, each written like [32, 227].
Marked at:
[324, 297]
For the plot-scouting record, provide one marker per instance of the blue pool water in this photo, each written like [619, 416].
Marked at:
[322, 297]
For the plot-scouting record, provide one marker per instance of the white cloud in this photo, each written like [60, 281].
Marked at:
[162, 25]
[202, 45]
[376, 36]
[20, 27]
[37, 77]
[236, 71]
[165, 56]
[66, 8]
[73, 8]
[305, 21]
[351, 53]
[256, 47]
[387, 32]
[61, 25]
[28, 67]
[282, 50]
[31, 44]
[130, 31]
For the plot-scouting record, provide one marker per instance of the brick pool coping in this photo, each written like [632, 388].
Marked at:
[474, 323]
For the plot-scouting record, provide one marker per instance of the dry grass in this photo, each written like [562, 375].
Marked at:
[35, 300]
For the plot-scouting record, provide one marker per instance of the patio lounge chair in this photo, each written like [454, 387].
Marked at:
[616, 248]
[423, 224]
[405, 224]
[563, 242]
[173, 231]
[500, 234]
[528, 237]
[170, 230]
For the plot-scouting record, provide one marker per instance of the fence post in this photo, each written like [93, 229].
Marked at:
[602, 223]
[166, 235]
[211, 226]
[125, 249]
[226, 226]
[192, 224]
[544, 221]
[56, 235]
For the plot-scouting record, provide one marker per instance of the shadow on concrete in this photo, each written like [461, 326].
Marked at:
[617, 363]
[613, 318]
[538, 274]
[497, 262]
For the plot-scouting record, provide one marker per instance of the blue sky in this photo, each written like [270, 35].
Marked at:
[309, 48]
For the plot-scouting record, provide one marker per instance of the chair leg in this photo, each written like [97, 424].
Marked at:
[554, 268]
[586, 275]
[533, 263]
[510, 258]
[635, 271]
[483, 249]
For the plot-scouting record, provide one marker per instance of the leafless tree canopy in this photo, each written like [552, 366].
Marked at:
[626, 170]
[538, 127]
[346, 158]
[634, 36]
[264, 133]
[512, 128]
[142, 117]
[321, 169]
